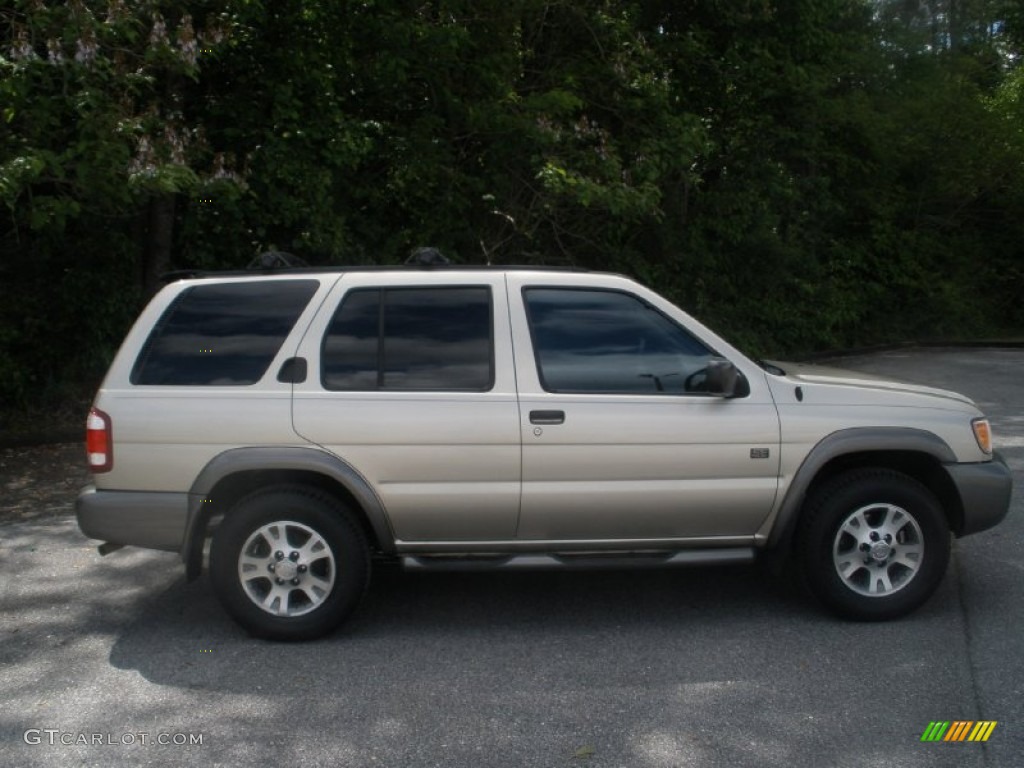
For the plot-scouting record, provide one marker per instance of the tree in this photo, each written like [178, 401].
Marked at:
[791, 172]
[96, 146]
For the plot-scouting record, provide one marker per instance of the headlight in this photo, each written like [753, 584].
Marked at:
[983, 434]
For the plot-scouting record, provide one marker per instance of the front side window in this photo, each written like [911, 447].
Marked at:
[221, 334]
[608, 342]
[411, 339]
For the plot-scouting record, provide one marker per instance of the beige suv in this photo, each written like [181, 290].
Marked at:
[311, 423]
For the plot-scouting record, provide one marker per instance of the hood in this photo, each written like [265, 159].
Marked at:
[801, 373]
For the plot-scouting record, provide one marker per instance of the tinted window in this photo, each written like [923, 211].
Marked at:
[410, 339]
[221, 335]
[352, 346]
[610, 342]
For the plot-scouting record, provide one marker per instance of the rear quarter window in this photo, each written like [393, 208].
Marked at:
[409, 339]
[223, 334]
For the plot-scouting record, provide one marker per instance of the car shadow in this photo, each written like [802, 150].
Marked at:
[422, 625]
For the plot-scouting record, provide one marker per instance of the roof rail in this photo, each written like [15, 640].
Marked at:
[199, 274]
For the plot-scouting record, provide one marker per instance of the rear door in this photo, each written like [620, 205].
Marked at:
[619, 440]
[411, 382]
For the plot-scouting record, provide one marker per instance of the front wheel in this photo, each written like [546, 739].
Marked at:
[289, 563]
[874, 544]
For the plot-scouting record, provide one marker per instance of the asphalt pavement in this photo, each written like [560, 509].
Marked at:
[118, 661]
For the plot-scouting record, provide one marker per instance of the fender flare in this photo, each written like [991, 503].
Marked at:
[278, 458]
[842, 443]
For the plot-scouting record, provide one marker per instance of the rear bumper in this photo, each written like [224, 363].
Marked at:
[984, 492]
[150, 520]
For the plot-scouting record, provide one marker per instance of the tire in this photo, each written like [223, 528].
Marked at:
[873, 544]
[289, 563]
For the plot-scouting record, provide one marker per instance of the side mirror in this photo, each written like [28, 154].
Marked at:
[724, 379]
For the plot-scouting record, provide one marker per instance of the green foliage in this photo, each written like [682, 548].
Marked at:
[94, 128]
[801, 175]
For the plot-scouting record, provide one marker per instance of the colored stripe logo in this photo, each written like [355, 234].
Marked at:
[959, 730]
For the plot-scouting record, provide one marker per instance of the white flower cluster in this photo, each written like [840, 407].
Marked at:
[115, 11]
[87, 47]
[21, 46]
[187, 43]
[144, 162]
[187, 40]
[175, 142]
[222, 172]
[169, 148]
[54, 52]
[158, 36]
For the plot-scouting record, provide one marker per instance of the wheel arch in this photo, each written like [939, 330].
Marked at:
[916, 453]
[238, 472]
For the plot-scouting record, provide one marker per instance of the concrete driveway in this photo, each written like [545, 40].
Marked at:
[117, 661]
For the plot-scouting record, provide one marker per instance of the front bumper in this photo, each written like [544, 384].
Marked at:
[984, 492]
[150, 520]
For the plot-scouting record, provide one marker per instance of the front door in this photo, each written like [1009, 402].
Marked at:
[619, 440]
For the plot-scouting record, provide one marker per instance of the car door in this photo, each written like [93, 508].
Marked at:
[412, 384]
[620, 440]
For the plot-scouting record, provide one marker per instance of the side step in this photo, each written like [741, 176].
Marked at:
[582, 562]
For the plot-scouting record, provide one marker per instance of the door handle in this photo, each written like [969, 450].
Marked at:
[547, 417]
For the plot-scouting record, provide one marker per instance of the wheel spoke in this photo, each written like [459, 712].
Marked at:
[272, 533]
[854, 576]
[894, 520]
[322, 585]
[278, 600]
[849, 566]
[909, 556]
[880, 583]
[248, 565]
[286, 594]
[313, 592]
[313, 550]
[856, 525]
[270, 602]
[887, 518]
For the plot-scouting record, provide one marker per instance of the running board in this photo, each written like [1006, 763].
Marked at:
[582, 562]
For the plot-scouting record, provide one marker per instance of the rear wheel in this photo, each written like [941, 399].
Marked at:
[289, 563]
[874, 544]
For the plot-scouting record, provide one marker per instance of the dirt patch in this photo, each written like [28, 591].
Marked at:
[42, 481]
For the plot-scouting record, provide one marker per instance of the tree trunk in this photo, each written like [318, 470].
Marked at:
[158, 238]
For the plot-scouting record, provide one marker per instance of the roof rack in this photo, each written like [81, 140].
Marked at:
[198, 274]
[427, 257]
[276, 260]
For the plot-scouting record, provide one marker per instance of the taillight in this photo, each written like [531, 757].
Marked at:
[99, 443]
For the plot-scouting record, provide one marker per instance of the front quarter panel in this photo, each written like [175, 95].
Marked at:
[821, 422]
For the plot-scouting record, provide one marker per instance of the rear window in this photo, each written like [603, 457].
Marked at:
[222, 334]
